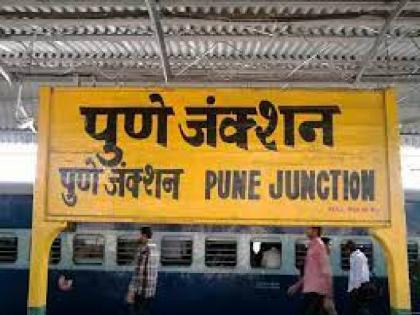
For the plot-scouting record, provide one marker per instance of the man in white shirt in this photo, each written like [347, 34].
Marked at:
[358, 276]
[271, 258]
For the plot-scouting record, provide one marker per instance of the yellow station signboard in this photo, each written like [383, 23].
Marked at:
[235, 156]
[219, 156]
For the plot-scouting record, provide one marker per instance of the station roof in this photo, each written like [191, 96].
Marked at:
[205, 42]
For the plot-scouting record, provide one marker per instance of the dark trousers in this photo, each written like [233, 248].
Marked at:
[358, 303]
[141, 306]
[312, 304]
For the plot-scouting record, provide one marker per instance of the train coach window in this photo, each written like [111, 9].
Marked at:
[126, 250]
[265, 254]
[176, 251]
[413, 254]
[8, 248]
[365, 247]
[300, 253]
[220, 253]
[55, 252]
[88, 249]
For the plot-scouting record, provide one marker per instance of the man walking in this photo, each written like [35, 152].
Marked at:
[316, 283]
[358, 278]
[142, 288]
[329, 305]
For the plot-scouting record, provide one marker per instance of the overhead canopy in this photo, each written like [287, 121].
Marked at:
[225, 42]
[293, 41]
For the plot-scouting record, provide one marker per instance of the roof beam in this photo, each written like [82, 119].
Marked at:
[42, 80]
[202, 38]
[206, 38]
[157, 26]
[379, 39]
[121, 66]
[351, 5]
[120, 71]
[204, 79]
[203, 3]
[116, 38]
[362, 22]
[133, 60]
